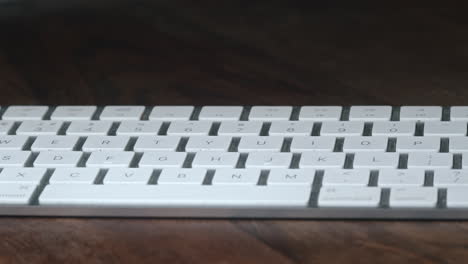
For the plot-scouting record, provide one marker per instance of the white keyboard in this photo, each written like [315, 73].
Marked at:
[384, 162]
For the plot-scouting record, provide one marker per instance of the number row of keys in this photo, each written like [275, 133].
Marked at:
[319, 113]
[234, 128]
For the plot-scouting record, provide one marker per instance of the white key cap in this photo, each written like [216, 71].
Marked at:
[412, 144]
[53, 159]
[458, 144]
[170, 113]
[227, 176]
[182, 176]
[108, 159]
[291, 128]
[16, 193]
[356, 144]
[123, 112]
[220, 113]
[20, 112]
[22, 175]
[138, 128]
[128, 176]
[346, 177]
[392, 129]
[401, 177]
[86, 128]
[349, 196]
[78, 112]
[162, 159]
[265, 113]
[370, 113]
[240, 128]
[176, 195]
[375, 160]
[342, 128]
[215, 159]
[430, 160]
[105, 143]
[302, 144]
[456, 197]
[74, 176]
[291, 177]
[445, 128]
[46, 143]
[267, 160]
[322, 160]
[13, 158]
[208, 143]
[450, 177]
[465, 160]
[420, 113]
[42, 127]
[413, 197]
[260, 143]
[320, 113]
[6, 126]
[189, 128]
[459, 113]
[156, 143]
[12, 142]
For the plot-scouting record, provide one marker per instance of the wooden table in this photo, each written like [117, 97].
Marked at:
[237, 53]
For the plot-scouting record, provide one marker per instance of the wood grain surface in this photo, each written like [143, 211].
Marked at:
[232, 52]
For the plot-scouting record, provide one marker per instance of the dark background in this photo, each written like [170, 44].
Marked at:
[240, 53]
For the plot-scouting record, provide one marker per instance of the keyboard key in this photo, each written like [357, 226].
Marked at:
[291, 177]
[6, 126]
[69, 113]
[22, 175]
[356, 144]
[459, 113]
[319, 160]
[267, 160]
[393, 129]
[421, 113]
[456, 197]
[401, 177]
[215, 159]
[270, 113]
[430, 160]
[86, 128]
[20, 112]
[189, 128]
[16, 193]
[302, 143]
[13, 158]
[208, 143]
[340, 129]
[444, 128]
[138, 128]
[320, 113]
[240, 128]
[291, 128]
[54, 143]
[370, 113]
[182, 176]
[74, 176]
[346, 177]
[260, 143]
[106, 143]
[178, 195]
[413, 197]
[156, 143]
[43, 127]
[162, 159]
[13, 142]
[109, 159]
[122, 112]
[349, 196]
[450, 177]
[220, 113]
[458, 144]
[128, 176]
[170, 113]
[227, 176]
[372, 160]
[53, 159]
[412, 144]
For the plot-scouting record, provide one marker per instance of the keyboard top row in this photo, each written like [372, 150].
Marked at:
[220, 113]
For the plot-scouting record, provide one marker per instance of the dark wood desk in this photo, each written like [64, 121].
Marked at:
[237, 53]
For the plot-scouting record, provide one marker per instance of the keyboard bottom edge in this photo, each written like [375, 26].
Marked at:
[240, 213]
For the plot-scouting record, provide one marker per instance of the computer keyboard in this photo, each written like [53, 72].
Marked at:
[323, 162]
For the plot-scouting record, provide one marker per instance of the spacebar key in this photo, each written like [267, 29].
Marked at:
[174, 195]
